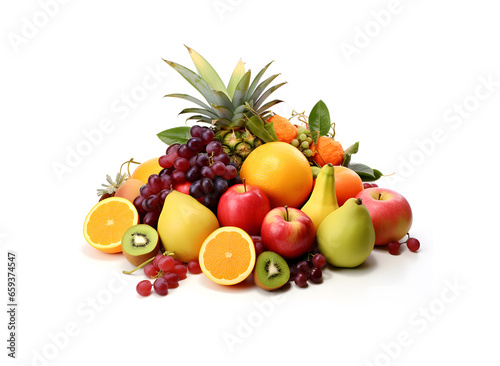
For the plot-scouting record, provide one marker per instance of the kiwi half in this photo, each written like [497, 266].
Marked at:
[140, 243]
[271, 271]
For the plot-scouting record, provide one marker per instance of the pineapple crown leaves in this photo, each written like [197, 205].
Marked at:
[226, 105]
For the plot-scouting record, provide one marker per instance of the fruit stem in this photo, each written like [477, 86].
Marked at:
[128, 162]
[286, 209]
[244, 184]
[146, 263]
[359, 201]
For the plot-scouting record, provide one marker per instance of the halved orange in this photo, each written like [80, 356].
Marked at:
[106, 223]
[227, 256]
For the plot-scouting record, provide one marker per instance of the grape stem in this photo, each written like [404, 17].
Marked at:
[128, 162]
[145, 263]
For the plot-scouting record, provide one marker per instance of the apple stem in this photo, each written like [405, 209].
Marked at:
[379, 195]
[146, 262]
[359, 201]
[286, 209]
[244, 184]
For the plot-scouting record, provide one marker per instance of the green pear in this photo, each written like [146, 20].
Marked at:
[346, 237]
[184, 224]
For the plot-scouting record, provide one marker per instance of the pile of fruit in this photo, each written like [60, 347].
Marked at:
[246, 192]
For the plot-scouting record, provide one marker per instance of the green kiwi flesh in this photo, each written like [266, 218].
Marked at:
[140, 243]
[271, 271]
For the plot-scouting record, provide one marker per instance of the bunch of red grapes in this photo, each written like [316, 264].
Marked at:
[199, 167]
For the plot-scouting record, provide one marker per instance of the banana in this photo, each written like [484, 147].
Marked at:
[323, 200]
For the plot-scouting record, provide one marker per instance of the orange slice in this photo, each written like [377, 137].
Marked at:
[106, 223]
[227, 256]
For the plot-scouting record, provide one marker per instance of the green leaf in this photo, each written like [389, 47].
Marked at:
[255, 81]
[256, 126]
[353, 149]
[241, 89]
[268, 105]
[200, 111]
[366, 173]
[319, 121]
[262, 86]
[195, 80]
[189, 98]
[222, 112]
[270, 128]
[207, 72]
[222, 100]
[266, 94]
[238, 73]
[176, 135]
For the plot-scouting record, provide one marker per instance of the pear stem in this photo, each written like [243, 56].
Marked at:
[146, 263]
[359, 201]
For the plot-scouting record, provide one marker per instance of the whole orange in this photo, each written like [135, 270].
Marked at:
[347, 184]
[144, 170]
[282, 171]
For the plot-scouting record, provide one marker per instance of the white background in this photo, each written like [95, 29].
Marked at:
[67, 67]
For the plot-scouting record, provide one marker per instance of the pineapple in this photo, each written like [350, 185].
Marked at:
[237, 112]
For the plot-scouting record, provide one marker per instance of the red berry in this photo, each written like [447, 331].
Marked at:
[144, 288]
[393, 247]
[180, 270]
[150, 270]
[166, 263]
[413, 244]
[156, 260]
[315, 275]
[194, 267]
[161, 286]
[319, 260]
[172, 279]
[300, 279]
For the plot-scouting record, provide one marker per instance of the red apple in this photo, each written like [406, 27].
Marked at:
[243, 206]
[390, 213]
[288, 232]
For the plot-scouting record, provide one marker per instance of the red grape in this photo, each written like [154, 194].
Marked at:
[319, 260]
[166, 181]
[163, 161]
[161, 286]
[150, 270]
[207, 172]
[185, 152]
[196, 131]
[193, 173]
[181, 164]
[214, 148]
[303, 267]
[194, 267]
[151, 203]
[166, 263]
[145, 191]
[195, 144]
[413, 244]
[178, 177]
[180, 270]
[300, 279]
[222, 157]
[393, 247]
[172, 148]
[144, 288]
[207, 136]
[156, 260]
[172, 279]
[315, 275]
[218, 168]
[154, 183]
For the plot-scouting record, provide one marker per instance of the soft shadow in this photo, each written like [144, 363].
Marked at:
[363, 269]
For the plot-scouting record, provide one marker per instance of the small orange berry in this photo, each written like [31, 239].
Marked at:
[285, 130]
[328, 151]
